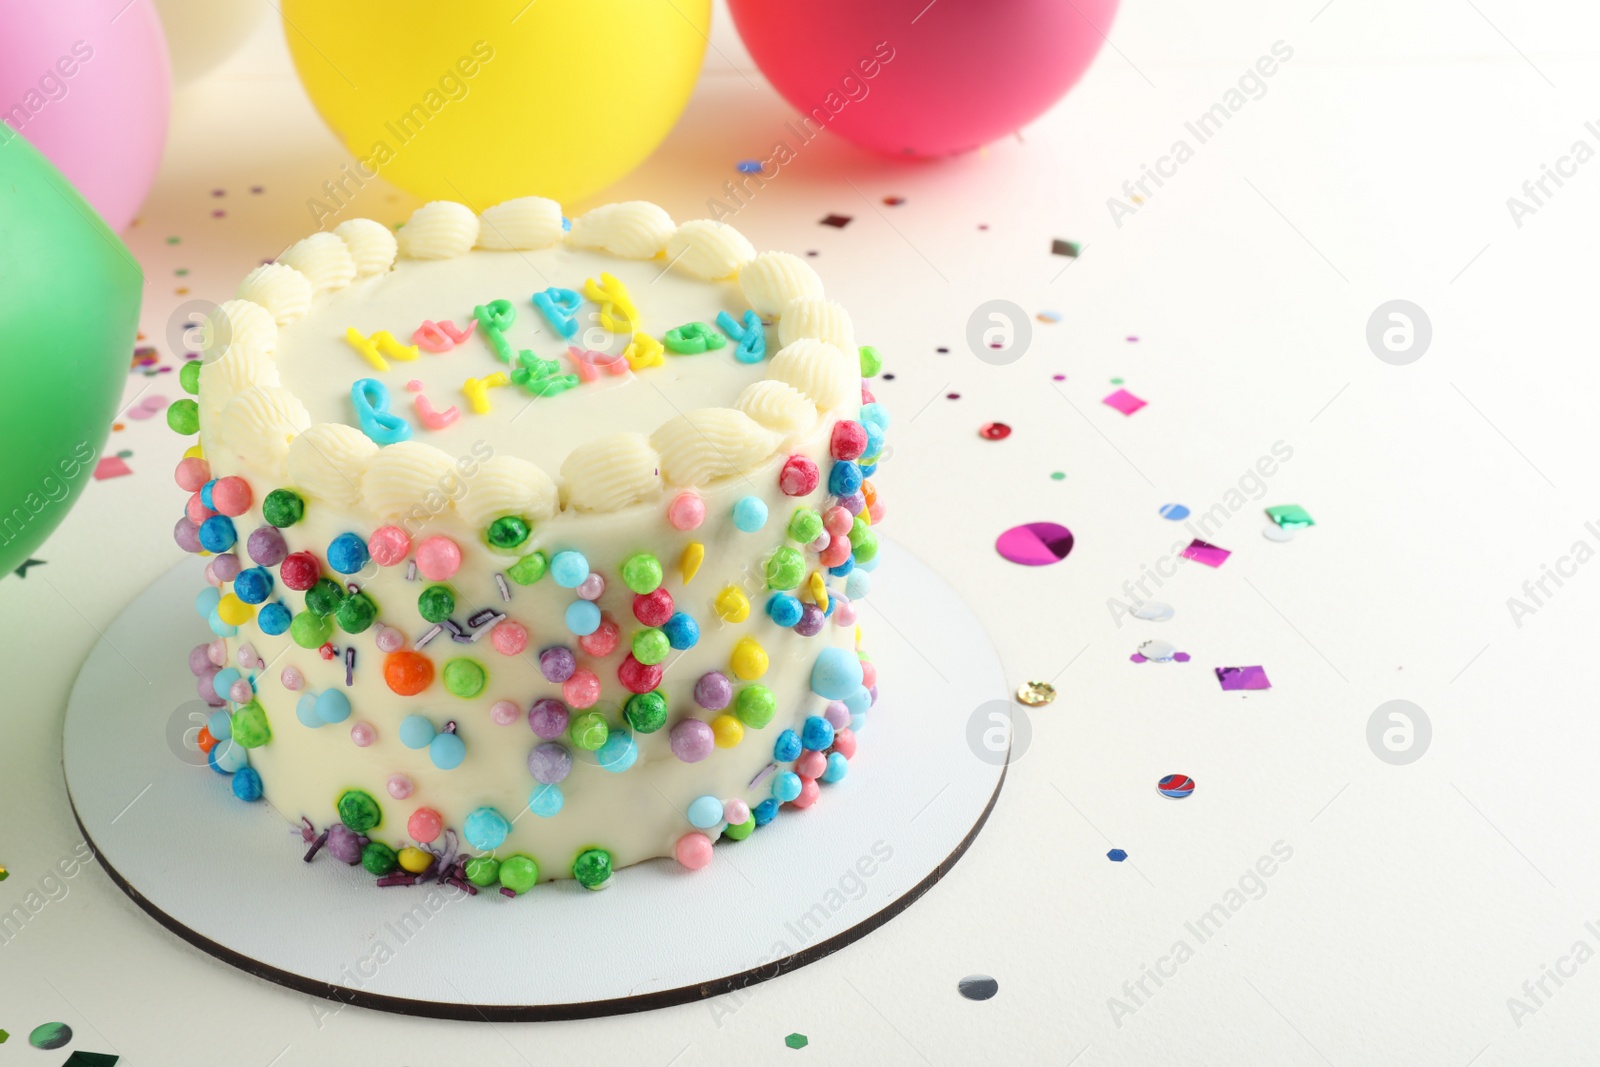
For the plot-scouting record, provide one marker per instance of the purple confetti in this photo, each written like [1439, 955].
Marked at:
[1035, 544]
[1233, 678]
[1205, 552]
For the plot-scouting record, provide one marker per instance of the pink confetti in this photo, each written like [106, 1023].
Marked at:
[1243, 678]
[1123, 401]
[1035, 544]
[111, 467]
[147, 408]
[1205, 552]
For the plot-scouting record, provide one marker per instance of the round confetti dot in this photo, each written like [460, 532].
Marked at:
[1058, 476]
[1271, 531]
[1035, 544]
[1035, 694]
[50, 1036]
[994, 431]
[977, 987]
[1176, 786]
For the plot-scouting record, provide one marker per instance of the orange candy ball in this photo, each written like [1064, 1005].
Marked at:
[407, 673]
[205, 740]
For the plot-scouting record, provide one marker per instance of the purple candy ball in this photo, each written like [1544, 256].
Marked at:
[692, 740]
[557, 664]
[549, 763]
[712, 692]
[548, 718]
[837, 714]
[200, 660]
[205, 685]
[226, 566]
[811, 620]
[187, 534]
[873, 693]
[344, 843]
[854, 502]
[266, 546]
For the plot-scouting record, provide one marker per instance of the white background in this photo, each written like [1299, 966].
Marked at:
[1418, 898]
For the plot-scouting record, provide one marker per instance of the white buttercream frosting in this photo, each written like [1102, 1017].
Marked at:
[699, 447]
[633, 229]
[705, 248]
[440, 230]
[506, 485]
[372, 245]
[609, 473]
[526, 223]
[324, 259]
[405, 476]
[772, 279]
[259, 423]
[817, 318]
[326, 460]
[282, 290]
[778, 406]
[249, 326]
[820, 371]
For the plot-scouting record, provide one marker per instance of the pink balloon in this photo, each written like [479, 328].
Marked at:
[87, 83]
[913, 78]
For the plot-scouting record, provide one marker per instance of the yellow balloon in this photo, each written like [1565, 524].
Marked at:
[496, 99]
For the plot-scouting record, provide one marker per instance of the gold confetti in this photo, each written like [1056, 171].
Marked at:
[1035, 694]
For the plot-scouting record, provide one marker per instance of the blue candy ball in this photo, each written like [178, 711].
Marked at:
[618, 753]
[750, 514]
[875, 414]
[838, 767]
[869, 469]
[682, 631]
[205, 494]
[844, 568]
[415, 731]
[871, 564]
[545, 800]
[220, 628]
[788, 747]
[784, 609]
[583, 617]
[485, 829]
[844, 478]
[859, 585]
[305, 709]
[857, 722]
[347, 553]
[858, 701]
[220, 724]
[447, 751]
[247, 784]
[253, 585]
[705, 812]
[569, 569]
[765, 811]
[217, 534]
[817, 733]
[785, 786]
[874, 441]
[836, 674]
[333, 706]
[228, 756]
[205, 601]
[274, 619]
[223, 681]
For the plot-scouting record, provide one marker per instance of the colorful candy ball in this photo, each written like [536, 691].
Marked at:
[693, 850]
[799, 477]
[691, 740]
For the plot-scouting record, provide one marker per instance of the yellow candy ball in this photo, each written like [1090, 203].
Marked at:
[727, 731]
[194, 452]
[233, 611]
[732, 605]
[749, 659]
[414, 859]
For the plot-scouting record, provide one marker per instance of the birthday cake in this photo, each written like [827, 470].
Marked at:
[508, 588]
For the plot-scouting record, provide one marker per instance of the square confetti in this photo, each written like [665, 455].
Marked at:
[1290, 516]
[1124, 402]
[1070, 249]
[91, 1059]
[111, 467]
[1205, 552]
[838, 222]
[1233, 678]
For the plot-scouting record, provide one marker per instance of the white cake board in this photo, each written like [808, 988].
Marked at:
[227, 876]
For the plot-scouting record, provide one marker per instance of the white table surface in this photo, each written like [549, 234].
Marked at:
[1418, 898]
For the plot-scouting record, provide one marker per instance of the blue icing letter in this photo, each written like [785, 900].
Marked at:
[750, 338]
[371, 400]
[558, 306]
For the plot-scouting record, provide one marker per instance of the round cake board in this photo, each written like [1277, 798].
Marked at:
[227, 876]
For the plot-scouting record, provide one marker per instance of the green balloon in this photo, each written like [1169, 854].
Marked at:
[69, 309]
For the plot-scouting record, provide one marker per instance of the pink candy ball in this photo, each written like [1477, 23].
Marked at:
[849, 439]
[687, 511]
[811, 765]
[844, 615]
[388, 545]
[196, 510]
[389, 639]
[875, 512]
[581, 690]
[399, 786]
[292, 679]
[844, 742]
[824, 539]
[836, 553]
[504, 712]
[837, 521]
[217, 652]
[438, 558]
[591, 587]
[692, 740]
[869, 674]
[240, 692]
[362, 734]
[211, 575]
[226, 566]
[799, 476]
[231, 495]
[424, 825]
[192, 473]
[509, 638]
[246, 656]
[693, 850]
[736, 811]
[187, 534]
[809, 791]
[837, 714]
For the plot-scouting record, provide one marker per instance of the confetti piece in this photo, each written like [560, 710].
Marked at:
[894, 201]
[1274, 532]
[4, 1037]
[1205, 552]
[748, 166]
[1124, 402]
[1070, 249]
[1116, 855]
[838, 222]
[1158, 651]
[1035, 544]
[1153, 611]
[1058, 377]
[22, 569]
[1116, 381]
[111, 467]
[1176, 786]
[1235, 678]
[952, 396]
[91, 1059]
[1035, 694]
[49, 1036]
[149, 407]
[1175, 512]
[1048, 316]
[1058, 476]
[797, 1041]
[1292, 516]
[994, 431]
[978, 987]
[4, 874]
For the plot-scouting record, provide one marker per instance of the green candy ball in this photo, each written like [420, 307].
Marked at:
[283, 507]
[740, 832]
[355, 613]
[358, 811]
[324, 597]
[864, 545]
[249, 725]
[642, 573]
[592, 868]
[650, 646]
[786, 569]
[646, 712]
[755, 706]
[378, 858]
[871, 362]
[189, 377]
[436, 603]
[310, 630]
[805, 525]
[508, 531]
[184, 416]
[528, 569]
[518, 873]
[589, 731]
[484, 871]
[465, 677]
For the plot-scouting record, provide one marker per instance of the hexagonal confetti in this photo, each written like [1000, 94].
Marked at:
[796, 1041]
[1116, 855]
